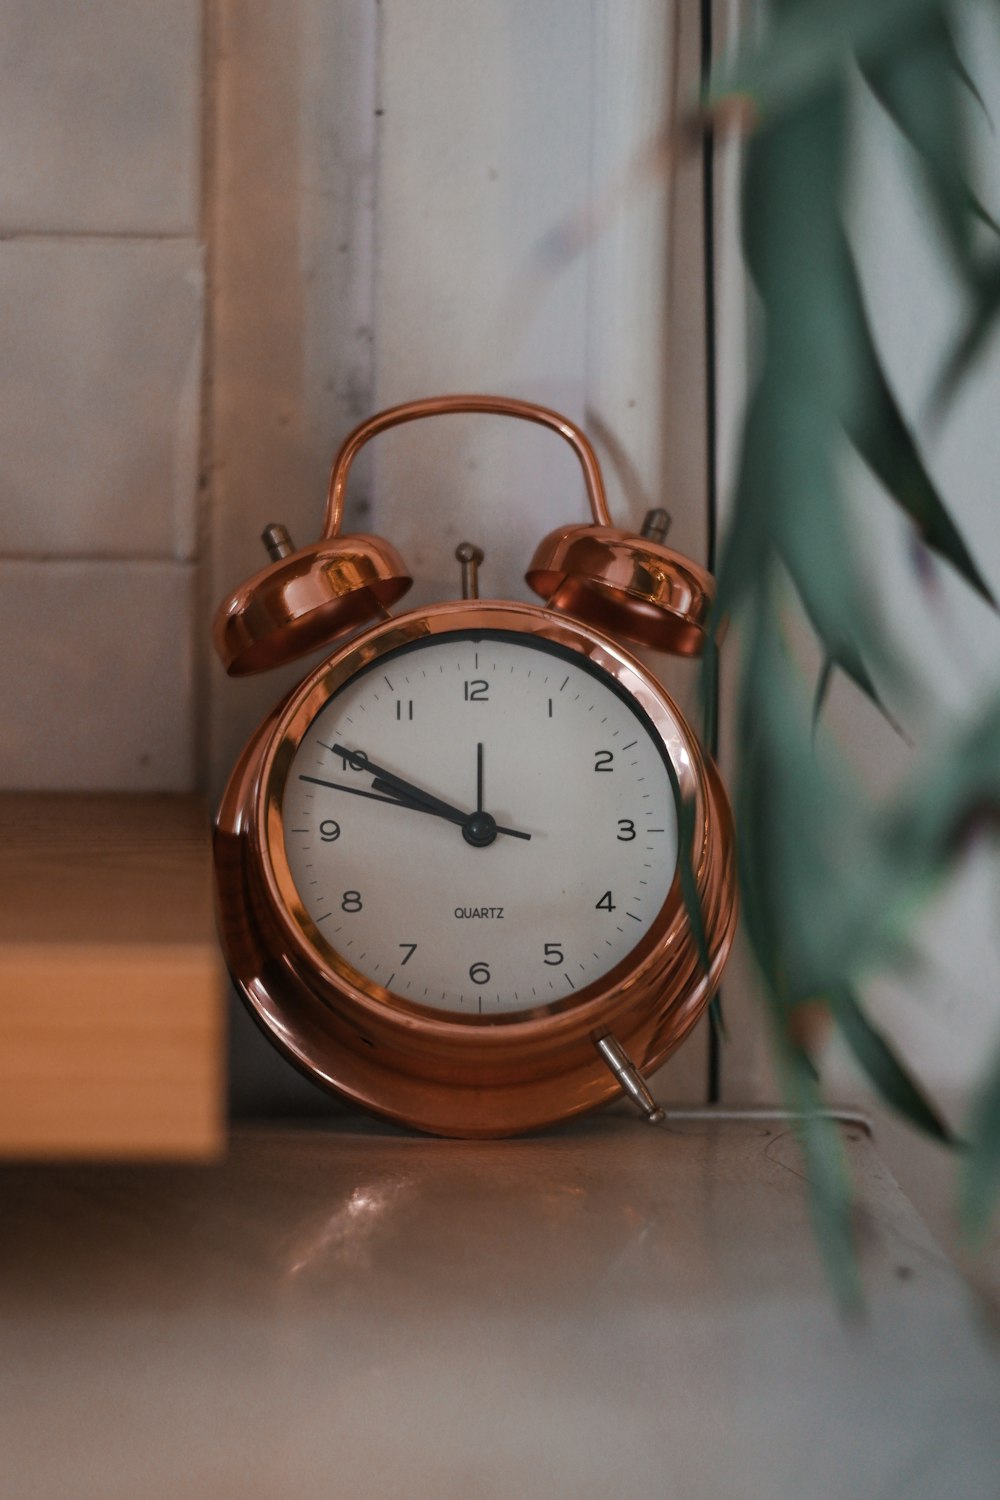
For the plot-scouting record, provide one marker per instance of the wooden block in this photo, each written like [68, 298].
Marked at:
[111, 985]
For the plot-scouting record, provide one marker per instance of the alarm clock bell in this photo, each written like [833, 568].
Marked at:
[629, 584]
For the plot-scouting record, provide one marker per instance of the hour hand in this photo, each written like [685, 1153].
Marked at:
[387, 781]
[358, 791]
[478, 828]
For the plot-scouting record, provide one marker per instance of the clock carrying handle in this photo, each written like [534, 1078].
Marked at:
[435, 406]
[627, 585]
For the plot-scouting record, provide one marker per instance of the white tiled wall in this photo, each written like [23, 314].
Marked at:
[384, 174]
[98, 673]
[291, 219]
[100, 116]
[102, 383]
[102, 294]
[229, 229]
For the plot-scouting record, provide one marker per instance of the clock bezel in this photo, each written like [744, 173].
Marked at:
[445, 1071]
[296, 725]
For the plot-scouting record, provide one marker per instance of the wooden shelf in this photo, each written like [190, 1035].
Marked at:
[111, 985]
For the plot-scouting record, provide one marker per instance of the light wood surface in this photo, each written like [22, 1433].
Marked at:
[606, 1310]
[111, 988]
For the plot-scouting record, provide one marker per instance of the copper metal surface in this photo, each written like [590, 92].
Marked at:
[455, 1074]
[627, 584]
[321, 592]
[307, 599]
[436, 406]
[458, 1075]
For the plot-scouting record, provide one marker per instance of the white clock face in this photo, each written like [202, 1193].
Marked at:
[481, 823]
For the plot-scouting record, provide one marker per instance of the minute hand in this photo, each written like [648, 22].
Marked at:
[387, 781]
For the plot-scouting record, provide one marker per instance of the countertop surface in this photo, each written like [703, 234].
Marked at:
[607, 1309]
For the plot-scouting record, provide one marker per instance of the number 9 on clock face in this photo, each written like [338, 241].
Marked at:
[479, 823]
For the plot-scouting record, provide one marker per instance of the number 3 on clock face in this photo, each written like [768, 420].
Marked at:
[480, 822]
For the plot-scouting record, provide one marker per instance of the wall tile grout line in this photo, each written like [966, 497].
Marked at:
[98, 236]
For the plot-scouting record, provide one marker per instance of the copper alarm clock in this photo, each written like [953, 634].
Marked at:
[447, 863]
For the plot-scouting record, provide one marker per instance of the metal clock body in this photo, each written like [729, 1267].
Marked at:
[448, 867]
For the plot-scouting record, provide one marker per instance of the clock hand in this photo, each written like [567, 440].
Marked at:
[482, 825]
[357, 791]
[399, 800]
[415, 796]
[387, 781]
[479, 778]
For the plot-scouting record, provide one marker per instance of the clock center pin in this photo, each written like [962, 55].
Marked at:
[479, 829]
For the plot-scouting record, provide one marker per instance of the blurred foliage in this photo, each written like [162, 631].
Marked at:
[832, 882]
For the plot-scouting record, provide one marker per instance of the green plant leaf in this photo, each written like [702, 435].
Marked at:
[745, 555]
[788, 501]
[980, 1180]
[823, 681]
[957, 65]
[792, 182]
[788, 481]
[808, 45]
[875, 425]
[950, 797]
[829, 886]
[708, 683]
[817, 551]
[811, 869]
[980, 325]
[918, 87]
[888, 1075]
[853, 667]
[831, 1197]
